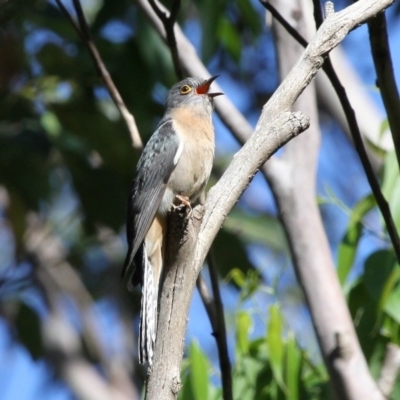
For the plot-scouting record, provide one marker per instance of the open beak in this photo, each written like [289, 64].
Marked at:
[205, 86]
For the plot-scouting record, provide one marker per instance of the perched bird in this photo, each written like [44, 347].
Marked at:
[173, 169]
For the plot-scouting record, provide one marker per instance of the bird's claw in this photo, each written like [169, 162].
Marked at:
[184, 201]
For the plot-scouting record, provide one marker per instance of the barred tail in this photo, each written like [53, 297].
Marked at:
[148, 312]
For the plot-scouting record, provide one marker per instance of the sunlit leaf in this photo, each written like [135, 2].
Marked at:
[210, 15]
[186, 393]
[235, 259]
[238, 277]
[292, 368]
[384, 127]
[261, 229]
[349, 245]
[243, 325]
[389, 288]
[391, 186]
[229, 38]
[392, 306]
[378, 268]
[275, 343]
[199, 372]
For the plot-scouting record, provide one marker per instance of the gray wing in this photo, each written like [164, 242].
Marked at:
[152, 174]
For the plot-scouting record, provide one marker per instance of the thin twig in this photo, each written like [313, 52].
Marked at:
[354, 129]
[169, 22]
[276, 14]
[215, 313]
[220, 332]
[207, 299]
[317, 14]
[69, 18]
[386, 81]
[81, 19]
[84, 33]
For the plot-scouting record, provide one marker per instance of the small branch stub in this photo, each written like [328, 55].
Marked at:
[176, 384]
[329, 9]
[343, 346]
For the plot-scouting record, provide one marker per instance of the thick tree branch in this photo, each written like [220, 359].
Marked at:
[84, 33]
[351, 119]
[386, 81]
[169, 22]
[177, 288]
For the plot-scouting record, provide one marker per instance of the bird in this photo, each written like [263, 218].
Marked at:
[173, 170]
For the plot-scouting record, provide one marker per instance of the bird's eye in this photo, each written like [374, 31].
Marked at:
[185, 89]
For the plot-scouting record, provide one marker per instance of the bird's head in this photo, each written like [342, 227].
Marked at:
[191, 91]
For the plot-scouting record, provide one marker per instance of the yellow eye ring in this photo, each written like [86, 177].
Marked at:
[185, 89]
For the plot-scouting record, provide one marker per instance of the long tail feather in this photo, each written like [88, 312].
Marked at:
[148, 312]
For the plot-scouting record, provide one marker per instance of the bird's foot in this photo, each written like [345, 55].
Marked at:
[184, 201]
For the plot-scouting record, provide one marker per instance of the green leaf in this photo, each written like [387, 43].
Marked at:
[391, 186]
[51, 124]
[229, 37]
[363, 311]
[388, 289]
[199, 372]
[241, 389]
[210, 15]
[383, 128]
[29, 331]
[214, 393]
[247, 373]
[234, 259]
[243, 325]
[250, 16]
[378, 269]
[186, 393]
[238, 277]
[275, 343]
[292, 368]
[261, 229]
[392, 306]
[377, 356]
[349, 245]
